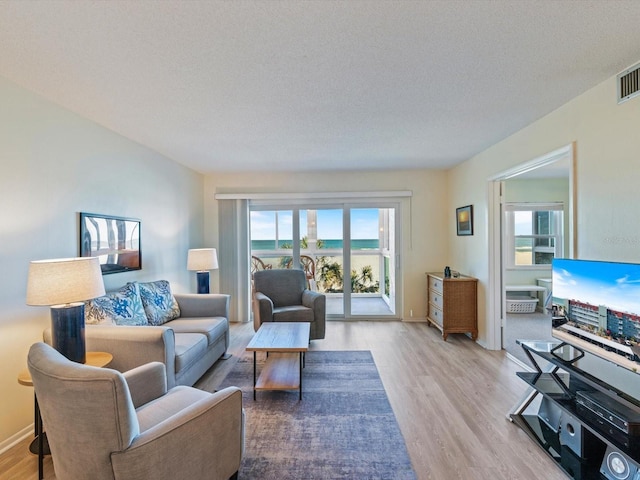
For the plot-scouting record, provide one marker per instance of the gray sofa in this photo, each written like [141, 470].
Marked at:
[188, 345]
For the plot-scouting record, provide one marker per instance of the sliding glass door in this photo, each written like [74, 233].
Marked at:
[271, 238]
[372, 261]
[347, 252]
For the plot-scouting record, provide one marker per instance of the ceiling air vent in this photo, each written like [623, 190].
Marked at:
[629, 83]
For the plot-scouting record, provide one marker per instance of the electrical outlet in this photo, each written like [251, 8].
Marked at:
[411, 313]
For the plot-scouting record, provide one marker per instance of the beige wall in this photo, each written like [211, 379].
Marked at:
[607, 179]
[54, 164]
[424, 240]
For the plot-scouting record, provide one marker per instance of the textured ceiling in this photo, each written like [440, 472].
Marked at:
[316, 85]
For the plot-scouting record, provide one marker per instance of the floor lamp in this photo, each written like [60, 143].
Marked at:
[202, 260]
[64, 284]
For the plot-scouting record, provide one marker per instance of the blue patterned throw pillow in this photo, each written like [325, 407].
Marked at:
[159, 303]
[122, 307]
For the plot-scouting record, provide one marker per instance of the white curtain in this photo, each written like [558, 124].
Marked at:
[233, 228]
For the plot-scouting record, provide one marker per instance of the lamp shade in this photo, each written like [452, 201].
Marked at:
[64, 280]
[201, 259]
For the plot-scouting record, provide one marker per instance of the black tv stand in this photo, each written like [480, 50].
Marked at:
[582, 441]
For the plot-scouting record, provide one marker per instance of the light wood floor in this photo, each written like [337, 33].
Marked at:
[450, 398]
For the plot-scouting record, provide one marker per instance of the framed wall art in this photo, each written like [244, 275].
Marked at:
[114, 240]
[464, 220]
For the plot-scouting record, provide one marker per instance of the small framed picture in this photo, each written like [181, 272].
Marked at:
[464, 220]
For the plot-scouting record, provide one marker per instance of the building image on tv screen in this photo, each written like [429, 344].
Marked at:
[600, 302]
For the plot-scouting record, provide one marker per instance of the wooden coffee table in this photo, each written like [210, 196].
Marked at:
[282, 341]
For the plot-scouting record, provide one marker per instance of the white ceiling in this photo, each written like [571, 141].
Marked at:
[316, 85]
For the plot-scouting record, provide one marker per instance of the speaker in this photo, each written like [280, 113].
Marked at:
[578, 439]
[575, 466]
[617, 466]
[550, 413]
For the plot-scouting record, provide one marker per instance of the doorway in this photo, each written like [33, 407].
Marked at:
[558, 165]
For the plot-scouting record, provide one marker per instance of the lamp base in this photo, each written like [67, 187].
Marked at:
[67, 331]
[203, 282]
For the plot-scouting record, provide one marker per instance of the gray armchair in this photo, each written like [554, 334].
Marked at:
[102, 424]
[283, 296]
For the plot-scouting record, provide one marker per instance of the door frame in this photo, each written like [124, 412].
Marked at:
[496, 297]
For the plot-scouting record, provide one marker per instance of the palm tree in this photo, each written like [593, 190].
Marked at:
[363, 282]
[304, 244]
[330, 275]
[331, 278]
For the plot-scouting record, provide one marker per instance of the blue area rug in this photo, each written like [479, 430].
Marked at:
[344, 427]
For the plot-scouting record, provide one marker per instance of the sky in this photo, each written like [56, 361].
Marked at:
[364, 224]
[522, 223]
[616, 285]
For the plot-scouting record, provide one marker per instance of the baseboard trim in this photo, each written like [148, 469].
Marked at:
[520, 362]
[13, 440]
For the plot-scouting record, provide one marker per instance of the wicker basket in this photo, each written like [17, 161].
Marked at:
[521, 305]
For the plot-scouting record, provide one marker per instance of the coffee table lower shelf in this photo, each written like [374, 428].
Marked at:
[282, 371]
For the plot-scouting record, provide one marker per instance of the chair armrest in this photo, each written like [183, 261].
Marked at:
[265, 308]
[207, 436]
[318, 303]
[312, 299]
[203, 305]
[135, 346]
[146, 382]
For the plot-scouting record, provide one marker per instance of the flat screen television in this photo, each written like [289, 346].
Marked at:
[597, 306]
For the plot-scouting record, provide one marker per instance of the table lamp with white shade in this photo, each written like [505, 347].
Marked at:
[202, 260]
[64, 284]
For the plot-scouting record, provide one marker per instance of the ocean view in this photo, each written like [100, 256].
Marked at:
[358, 244]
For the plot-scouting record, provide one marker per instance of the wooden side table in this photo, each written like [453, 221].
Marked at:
[39, 445]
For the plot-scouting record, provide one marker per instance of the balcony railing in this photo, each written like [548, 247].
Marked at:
[325, 271]
[370, 289]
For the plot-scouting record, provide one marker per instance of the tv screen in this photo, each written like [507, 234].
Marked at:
[599, 305]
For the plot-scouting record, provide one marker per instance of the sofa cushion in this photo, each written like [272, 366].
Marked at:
[294, 313]
[122, 307]
[213, 328]
[190, 347]
[159, 303]
[164, 407]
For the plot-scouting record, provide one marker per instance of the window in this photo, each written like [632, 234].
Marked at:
[239, 226]
[533, 234]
